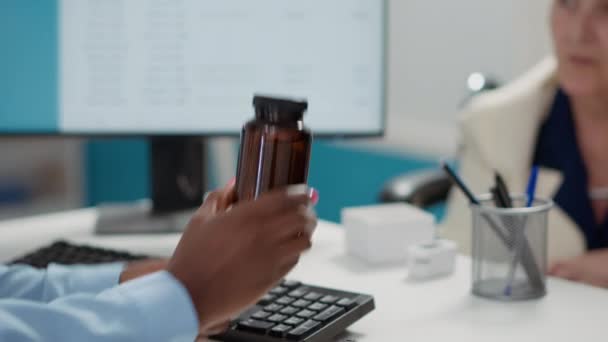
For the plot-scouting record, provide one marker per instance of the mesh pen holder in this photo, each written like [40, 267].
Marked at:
[510, 249]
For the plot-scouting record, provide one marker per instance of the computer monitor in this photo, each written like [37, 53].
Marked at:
[188, 68]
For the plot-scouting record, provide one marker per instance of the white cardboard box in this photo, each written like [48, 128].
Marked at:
[383, 233]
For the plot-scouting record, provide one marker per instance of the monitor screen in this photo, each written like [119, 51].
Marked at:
[183, 67]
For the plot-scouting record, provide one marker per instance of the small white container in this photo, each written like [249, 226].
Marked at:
[381, 234]
[433, 260]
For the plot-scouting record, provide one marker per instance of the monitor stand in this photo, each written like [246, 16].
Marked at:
[177, 187]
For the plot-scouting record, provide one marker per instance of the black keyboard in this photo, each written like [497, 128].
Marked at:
[292, 311]
[65, 253]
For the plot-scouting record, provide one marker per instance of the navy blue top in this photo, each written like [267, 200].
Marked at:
[557, 148]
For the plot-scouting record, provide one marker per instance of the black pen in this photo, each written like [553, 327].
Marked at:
[499, 200]
[460, 183]
[503, 190]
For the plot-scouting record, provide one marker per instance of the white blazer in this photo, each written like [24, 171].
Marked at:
[499, 131]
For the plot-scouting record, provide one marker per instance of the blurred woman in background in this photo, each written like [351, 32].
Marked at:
[555, 117]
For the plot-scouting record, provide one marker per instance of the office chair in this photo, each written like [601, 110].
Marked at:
[426, 188]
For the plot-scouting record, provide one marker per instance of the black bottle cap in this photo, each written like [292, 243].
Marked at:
[274, 109]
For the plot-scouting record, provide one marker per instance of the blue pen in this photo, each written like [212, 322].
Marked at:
[531, 193]
[531, 190]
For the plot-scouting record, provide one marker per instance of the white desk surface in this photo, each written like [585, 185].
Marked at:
[440, 310]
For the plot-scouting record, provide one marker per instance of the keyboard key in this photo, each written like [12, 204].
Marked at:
[306, 314]
[280, 330]
[261, 315]
[277, 318]
[329, 314]
[346, 303]
[299, 293]
[303, 330]
[273, 307]
[317, 307]
[313, 296]
[290, 310]
[285, 300]
[293, 321]
[279, 291]
[267, 299]
[291, 284]
[300, 303]
[329, 299]
[254, 325]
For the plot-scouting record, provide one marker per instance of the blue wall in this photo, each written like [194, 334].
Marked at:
[28, 72]
[347, 176]
[116, 171]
